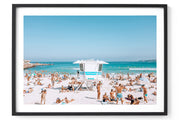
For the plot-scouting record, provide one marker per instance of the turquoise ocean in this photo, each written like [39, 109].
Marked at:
[113, 67]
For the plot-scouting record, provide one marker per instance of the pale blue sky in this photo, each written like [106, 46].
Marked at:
[109, 38]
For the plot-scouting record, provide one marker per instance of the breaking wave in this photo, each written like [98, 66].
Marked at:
[142, 68]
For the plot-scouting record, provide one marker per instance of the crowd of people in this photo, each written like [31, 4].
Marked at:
[115, 94]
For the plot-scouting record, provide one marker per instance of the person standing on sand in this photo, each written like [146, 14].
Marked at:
[140, 75]
[144, 93]
[98, 90]
[52, 79]
[43, 96]
[119, 93]
[128, 76]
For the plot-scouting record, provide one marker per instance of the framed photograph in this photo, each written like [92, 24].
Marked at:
[89, 59]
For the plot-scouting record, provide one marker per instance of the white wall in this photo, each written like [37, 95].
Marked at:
[174, 58]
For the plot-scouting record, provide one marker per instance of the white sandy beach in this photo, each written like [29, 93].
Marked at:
[84, 96]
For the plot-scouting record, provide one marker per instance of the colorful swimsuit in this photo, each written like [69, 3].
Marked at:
[119, 95]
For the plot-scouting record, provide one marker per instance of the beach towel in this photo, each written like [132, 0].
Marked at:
[63, 103]
[104, 103]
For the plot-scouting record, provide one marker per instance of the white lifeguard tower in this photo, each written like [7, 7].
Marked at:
[90, 70]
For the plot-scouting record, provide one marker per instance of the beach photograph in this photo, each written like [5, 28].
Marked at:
[90, 60]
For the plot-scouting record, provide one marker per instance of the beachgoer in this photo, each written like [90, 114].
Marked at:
[112, 97]
[26, 75]
[39, 75]
[52, 80]
[98, 90]
[39, 82]
[140, 75]
[127, 75]
[49, 85]
[107, 75]
[136, 101]
[68, 101]
[119, 93]
[154, 80]
[58, 100]
[144, 93]
[43, 96]
[28, 78]
[105, 98]
[154, 93]
[70, 87]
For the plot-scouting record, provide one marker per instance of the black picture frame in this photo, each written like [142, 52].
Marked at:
[15, 6]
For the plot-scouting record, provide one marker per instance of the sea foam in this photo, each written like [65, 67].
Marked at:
[142, 68]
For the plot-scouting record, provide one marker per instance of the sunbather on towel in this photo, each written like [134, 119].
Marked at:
[58, 100]
[68, 101]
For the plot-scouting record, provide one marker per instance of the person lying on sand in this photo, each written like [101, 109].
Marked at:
[57, 81]
[154, 80]
[154, 93]
[58, 100]
[39, 82]
[144, 93]
[150, 75]
[68, 101]
[138, 82]
[130, 97]
[152, 86]
[63, 89]
[30, 90]
[136, 101]
[135, 89]
[70, 87]
[111, 83]
[129, 84]
[65, 77]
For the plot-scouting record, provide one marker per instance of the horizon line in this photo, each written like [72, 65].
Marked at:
[103, 60]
